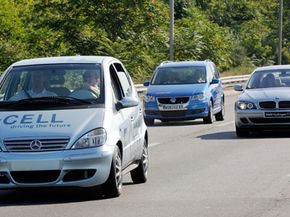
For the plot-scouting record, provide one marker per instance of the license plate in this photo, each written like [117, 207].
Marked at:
[277, 114]
[172, 107]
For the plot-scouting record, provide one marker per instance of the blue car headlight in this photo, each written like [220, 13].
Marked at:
[149, 98]
[243, 105]
[94, 138]
[198, 96]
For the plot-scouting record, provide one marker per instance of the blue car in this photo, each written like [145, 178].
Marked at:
[184, 91]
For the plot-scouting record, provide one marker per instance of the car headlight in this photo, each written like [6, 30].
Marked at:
[94, 138]
[149, 98]
[198, 96]
[245, 105]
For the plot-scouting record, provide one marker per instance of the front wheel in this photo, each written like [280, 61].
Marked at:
[113, 186]
[241, 132]
[149, 121]
[209, 118]
[220, 116]
[140, 174]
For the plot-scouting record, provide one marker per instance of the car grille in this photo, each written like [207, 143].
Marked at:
[273, 105]
[43, 144]
[173, 100]
[284, 104]
[267, 104]
[35, 176]
[270, 120]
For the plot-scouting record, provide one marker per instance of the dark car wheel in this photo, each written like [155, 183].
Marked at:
[140, 174]
[149, 121]
[220, 115]
[209, 118]
[241, 132]
[113, 186]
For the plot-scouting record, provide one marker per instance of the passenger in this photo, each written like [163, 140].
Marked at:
[268, 81]
[92, 81]
[38, 89]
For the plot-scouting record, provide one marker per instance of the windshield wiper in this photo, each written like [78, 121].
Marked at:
[55, 99]
[49, 101]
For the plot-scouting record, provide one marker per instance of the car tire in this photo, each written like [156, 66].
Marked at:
[140, 174]
[209, 118]
[149, 121]
[113, 186]
[220, 115]
[242, 132]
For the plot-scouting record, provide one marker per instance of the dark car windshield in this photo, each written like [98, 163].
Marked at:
[52, 86]
[179, 75]
[269, 79]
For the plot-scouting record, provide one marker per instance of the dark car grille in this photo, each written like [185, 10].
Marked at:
[46, 144]
[268, 104]
[284, 104]
[270, 120]
[272, 105]
[173, 100]
[35, 176]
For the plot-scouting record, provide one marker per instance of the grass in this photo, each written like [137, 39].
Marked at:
[241, 70]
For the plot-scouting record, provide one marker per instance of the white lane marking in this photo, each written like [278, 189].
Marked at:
[154, 144]
[226, 123]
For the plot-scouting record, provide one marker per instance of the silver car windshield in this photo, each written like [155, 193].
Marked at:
[179, 75]
[61, 84]
[269, 79]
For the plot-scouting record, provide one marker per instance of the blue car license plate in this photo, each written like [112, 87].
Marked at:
[171, 107]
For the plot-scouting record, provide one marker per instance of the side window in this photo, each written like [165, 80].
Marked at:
[115, 83]
[210, 73]
[124, 80]
[216, 72]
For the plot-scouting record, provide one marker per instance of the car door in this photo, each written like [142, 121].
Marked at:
[129, 115]
[214, 88]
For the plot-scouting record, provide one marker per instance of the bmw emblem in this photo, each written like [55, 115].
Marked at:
[35, 145]
[173, 100]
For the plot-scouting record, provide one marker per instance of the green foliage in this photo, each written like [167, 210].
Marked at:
[234, 34]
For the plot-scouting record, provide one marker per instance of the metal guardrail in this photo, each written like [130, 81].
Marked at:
[228, 81]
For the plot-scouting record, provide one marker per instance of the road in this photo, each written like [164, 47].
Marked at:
[196, 170]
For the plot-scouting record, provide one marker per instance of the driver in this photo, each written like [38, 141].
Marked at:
[37, 84]
[92, 81]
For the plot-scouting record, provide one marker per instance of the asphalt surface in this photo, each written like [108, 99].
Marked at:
[196, 170]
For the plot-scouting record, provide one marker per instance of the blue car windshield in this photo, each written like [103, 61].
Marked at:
[269, 79]
[179, 75]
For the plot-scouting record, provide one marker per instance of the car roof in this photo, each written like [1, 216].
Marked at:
[184, 63]
[275, 67]
[64, 59]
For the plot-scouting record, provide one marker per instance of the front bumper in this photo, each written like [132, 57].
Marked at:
[256, 119]
[72, 168]
[191, 111]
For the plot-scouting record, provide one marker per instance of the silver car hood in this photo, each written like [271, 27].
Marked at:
[266, 94]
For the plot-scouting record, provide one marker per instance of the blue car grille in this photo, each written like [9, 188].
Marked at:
[43, 144]
[173, 100]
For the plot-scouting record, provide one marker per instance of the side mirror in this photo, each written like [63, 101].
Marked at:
[126, 102]
[215, 81]
[146, 83]
[238, 87]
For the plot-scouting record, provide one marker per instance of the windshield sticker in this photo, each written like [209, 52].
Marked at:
[31, 121]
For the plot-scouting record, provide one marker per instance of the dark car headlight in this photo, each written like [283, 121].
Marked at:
[244, 105]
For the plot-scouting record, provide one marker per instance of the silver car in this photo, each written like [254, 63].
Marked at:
[71, 121]
[265, 100]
